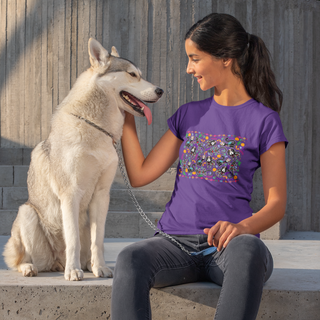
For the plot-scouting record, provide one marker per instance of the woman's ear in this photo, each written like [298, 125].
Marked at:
[227, 62]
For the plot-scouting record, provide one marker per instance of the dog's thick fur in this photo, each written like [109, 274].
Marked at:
[61, 227]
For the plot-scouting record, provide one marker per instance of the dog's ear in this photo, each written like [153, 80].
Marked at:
[99, 56]
[114, 52]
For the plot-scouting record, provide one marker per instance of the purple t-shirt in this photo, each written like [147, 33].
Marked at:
[220, 152]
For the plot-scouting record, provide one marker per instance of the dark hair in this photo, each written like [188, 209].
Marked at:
[223, 36]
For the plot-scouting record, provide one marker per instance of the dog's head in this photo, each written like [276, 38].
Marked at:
[123, 79]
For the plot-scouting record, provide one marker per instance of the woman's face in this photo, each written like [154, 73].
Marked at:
[209, 71]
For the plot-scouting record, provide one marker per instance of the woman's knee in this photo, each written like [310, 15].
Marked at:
[248, 247]
[133, 261]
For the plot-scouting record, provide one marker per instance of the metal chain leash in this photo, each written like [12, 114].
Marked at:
[125, 178]
[138, 207]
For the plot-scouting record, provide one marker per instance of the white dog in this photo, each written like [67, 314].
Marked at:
[61, 227]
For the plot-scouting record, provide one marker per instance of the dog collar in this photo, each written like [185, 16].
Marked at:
[94, 125]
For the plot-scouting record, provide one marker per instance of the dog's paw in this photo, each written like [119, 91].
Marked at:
[28, 270]
[73, 274]
[102, 272]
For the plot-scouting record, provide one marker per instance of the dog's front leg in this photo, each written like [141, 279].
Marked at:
[98, 213]
[70, 217]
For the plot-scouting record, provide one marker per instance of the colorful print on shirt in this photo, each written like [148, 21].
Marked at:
[211, 157]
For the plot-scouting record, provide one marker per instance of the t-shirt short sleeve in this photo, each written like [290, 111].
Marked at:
[174, 123]
[272, 132]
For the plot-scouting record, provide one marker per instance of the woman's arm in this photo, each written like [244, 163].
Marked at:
[141, 170]
[274, 186]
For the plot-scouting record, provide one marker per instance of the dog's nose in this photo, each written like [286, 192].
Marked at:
[159, 92]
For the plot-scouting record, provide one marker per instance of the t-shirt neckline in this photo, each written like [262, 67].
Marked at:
[245, 104]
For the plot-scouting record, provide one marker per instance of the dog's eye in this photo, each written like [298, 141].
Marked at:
[132, 74]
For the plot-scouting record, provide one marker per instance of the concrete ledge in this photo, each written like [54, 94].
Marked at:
[277, 231]
[292, 292]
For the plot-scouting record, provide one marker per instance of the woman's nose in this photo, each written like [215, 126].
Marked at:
[189, 69]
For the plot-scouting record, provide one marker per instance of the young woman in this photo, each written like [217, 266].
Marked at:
[220, 142]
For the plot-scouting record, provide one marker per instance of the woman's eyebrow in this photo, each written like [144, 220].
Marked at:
[192, 55]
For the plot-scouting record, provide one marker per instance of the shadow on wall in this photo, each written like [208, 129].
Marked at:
[17, 155]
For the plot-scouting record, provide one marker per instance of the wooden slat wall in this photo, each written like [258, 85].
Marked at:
[43, 49]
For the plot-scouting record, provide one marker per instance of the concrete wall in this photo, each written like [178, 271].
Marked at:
[43, 48]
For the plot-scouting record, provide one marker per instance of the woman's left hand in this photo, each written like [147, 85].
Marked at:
[222, 233]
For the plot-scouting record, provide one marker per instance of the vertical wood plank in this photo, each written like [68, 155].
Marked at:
[64, 13]
[145, 130]
[46, 108]
[204, 9]
[143, 36]
[298, 118]
[171, 94]
[315, 172]
[50, 60]
[306, 52]
[36, 120]
[74, 42]
[55, 54]
[186, 81]
[289, 58]
[99, 25]
[80, 37]
[106, 24]
[158, 63]
[12, 114]
[3, 71]
[92, 19]
[29, 75]
[21, 21]
[63, 63]
[85, 36]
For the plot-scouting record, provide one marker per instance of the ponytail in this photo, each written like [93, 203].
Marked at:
[222, 36]
[257, 75]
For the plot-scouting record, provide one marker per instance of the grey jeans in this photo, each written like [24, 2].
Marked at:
[241, 269]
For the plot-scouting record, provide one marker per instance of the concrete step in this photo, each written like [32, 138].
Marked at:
[13, 197]
[292, 292]
[16, 176]
[124, 224]
[123, 219]
[14, 192]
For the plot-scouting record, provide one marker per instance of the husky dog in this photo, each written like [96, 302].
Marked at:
[61, 226]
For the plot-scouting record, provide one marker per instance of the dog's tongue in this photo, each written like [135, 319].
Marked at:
[146, 110]
[148, 114]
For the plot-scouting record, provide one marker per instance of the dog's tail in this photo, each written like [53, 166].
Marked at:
[14, 250]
